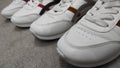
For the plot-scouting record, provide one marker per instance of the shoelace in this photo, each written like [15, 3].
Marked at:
[103, 12]
[81, 12]
[61, 5]
[16, 1]
[49, 5]
[33, 3]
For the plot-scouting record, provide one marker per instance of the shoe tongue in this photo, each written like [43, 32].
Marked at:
[77, 3]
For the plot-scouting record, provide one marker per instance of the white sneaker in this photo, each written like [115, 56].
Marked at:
[29, 13]
[95, 39]
[13, 8]
[55, 22]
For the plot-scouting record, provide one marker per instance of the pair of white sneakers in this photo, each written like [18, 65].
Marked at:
[93, 41]
[24, 12]
[12, 8]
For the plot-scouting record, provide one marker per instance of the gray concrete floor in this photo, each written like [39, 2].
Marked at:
[20, 49]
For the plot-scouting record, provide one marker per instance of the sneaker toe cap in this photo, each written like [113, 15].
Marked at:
[87, 56]
[6, 13]
[50, 29]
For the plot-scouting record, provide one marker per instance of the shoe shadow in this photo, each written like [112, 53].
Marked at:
[44, 43]
[65, 64]
[7, 21]
[111, 64]
[21, 28]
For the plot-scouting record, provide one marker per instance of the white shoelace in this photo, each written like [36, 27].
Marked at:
[16, 1]
[33, 3]
[61, 5]
[103, 12]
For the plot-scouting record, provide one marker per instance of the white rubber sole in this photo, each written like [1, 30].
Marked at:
[7, 17]
[22, 25]
[46, 37]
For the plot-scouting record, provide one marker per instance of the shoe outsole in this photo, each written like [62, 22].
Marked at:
[46, 37]
[7, 17]
[22, 25]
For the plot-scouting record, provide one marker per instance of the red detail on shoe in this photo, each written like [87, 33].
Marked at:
[42, 6]
[26, 0]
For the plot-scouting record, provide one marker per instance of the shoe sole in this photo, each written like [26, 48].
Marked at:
[47, 37]
[7, 17]
[22, 25]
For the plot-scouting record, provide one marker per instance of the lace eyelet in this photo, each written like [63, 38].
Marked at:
[107, 25]
[118, 12]
[103, 2]
[71, 0]
[55, 11]
[97, 8]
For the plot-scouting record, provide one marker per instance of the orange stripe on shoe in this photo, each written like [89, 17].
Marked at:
[72, 9]
[118, 24]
